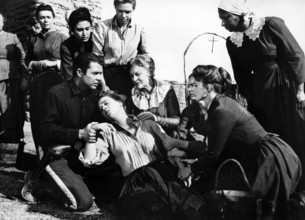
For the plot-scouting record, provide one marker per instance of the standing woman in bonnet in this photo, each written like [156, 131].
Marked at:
[43, 60]
[269, 69]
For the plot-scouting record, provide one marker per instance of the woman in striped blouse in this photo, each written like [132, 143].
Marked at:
[134, 143]
[138, 149]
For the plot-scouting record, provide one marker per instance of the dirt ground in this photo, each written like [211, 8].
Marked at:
[12, 206]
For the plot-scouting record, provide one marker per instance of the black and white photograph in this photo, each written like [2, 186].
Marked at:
[152, 110]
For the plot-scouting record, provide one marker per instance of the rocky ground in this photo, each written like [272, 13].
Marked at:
[12, 206]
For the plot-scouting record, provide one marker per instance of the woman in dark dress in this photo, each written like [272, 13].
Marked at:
[153, 99]
[272, 167]
[269, 68]
[43, 60]
[80, 24]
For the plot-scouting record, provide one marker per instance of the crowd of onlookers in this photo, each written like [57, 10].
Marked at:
[97, 109]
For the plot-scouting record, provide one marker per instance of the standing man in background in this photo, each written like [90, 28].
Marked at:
[116, 41]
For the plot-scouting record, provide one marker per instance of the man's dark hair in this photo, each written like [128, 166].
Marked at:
[83, 61]
[44, 7]
[118, 2]
[80, 14]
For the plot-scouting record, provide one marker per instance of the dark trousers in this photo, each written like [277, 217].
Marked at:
[67, 176]
[71, 184]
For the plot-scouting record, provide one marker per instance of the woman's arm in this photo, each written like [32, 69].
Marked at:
[291, 53]
[96, 153]
[288, 49]
[223, 119]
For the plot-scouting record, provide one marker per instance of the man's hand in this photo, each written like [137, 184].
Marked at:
[88, 134]
[103, 127]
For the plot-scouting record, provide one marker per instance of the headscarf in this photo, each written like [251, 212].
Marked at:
[237, 7]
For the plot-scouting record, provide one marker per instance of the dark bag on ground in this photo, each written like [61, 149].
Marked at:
[233, 204]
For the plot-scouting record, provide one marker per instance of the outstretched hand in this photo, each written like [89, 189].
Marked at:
[147, 116]
[170, 143]
[188, 161]
[175, 152]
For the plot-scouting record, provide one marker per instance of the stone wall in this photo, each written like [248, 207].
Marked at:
[20, 14]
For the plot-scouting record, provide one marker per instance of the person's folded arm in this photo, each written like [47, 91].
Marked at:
[95, 153]
[222, 123]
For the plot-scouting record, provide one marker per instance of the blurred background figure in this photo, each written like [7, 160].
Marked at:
[43, 60]
[13, 83]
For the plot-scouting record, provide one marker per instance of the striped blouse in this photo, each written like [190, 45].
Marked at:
[130, 151]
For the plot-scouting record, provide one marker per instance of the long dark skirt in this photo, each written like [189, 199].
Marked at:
[12, 112]
[275, 107]
[272, 168]
[155, 190]
[40, 84]
[273, 172]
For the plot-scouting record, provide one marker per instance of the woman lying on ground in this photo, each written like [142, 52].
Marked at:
[272, 167]
[136, 146]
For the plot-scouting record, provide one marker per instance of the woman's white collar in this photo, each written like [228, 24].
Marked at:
[145, 101]
[252, 32]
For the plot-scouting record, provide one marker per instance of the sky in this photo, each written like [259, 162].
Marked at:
[171, 25]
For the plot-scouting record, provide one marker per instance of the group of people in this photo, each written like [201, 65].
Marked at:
[96, 109]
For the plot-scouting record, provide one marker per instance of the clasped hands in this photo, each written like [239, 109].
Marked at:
[88, 134]
[176, 149]
[147, 116]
